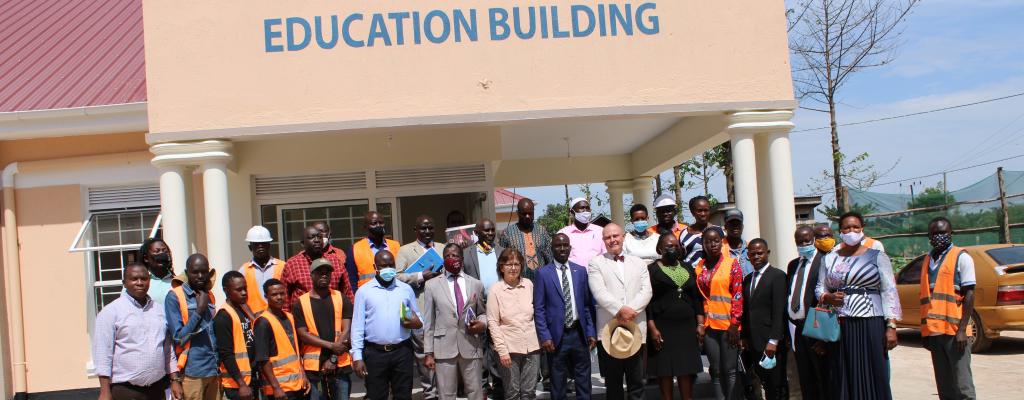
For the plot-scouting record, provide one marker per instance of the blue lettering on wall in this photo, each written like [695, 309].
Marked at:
[611, 18]
[290, 24]
[499, 21]
[346, 29]
[269, 34]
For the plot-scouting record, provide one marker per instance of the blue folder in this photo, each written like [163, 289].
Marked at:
[429, 260]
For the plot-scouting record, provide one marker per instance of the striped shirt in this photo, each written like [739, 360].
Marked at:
[867, 280]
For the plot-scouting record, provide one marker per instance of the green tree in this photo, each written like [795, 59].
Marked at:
[555, 217]
[933, 196]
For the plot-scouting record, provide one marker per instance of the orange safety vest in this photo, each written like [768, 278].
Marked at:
[677, 229]
[241, 353]
[941, 308]
[311, 353]
[286, 364]
[256, 302]
[718, 306]
[182, 351]
[364, 258]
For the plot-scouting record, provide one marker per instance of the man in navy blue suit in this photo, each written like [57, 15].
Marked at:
[565, 327]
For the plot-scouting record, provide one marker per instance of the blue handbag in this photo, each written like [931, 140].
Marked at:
[822, 324]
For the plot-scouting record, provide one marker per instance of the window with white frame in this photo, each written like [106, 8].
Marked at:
[111, 240]
[286, 223]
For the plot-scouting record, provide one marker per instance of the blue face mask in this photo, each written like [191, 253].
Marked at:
[388, 274]
[640, 226]
[807, 251]
[767, 363]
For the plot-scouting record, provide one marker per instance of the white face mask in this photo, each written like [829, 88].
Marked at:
[852, 238]
[583, 217]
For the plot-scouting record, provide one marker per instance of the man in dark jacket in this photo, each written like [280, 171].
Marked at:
[764, 321]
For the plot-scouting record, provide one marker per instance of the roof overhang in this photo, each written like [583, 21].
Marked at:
[79, 121]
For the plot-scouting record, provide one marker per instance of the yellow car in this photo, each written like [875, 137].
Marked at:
[998, 296]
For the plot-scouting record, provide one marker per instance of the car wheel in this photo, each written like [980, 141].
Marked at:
[981, 342]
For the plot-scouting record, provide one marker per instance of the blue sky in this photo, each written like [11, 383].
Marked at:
[952, 52]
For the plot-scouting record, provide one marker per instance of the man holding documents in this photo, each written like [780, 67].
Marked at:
[455, 322]
[423, 258]
[383, 318]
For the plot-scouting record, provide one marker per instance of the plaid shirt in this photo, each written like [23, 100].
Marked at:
[296, 275]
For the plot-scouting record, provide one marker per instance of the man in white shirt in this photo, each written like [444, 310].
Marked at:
[801, 278]
[621, 287]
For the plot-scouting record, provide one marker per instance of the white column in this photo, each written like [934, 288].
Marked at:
[783, 207]
[175, 160]
[643, 192]
[174, 210]
[616, 191]
[764, 188]
[771, 155]
[218, 221]
[745, 180]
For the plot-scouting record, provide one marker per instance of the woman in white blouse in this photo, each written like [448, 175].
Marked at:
[641, 241]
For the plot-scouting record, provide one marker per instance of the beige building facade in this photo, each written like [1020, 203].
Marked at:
[244, 123]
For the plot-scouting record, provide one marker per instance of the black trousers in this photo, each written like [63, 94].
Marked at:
[773, 381]
[811, 368]
[615, 369]
[389, 372]
[127, 391]
[570, 359]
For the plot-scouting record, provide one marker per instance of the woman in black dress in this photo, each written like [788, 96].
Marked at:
[673, 316]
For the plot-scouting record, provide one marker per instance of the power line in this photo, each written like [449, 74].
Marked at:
[952, 170]
[914, 113]
[926, 176]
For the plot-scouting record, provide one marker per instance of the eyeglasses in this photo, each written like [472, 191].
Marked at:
[517, 265]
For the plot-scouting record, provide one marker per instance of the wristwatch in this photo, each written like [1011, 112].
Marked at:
[890, 324]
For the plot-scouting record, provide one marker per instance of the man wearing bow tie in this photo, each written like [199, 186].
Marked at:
[622, 288]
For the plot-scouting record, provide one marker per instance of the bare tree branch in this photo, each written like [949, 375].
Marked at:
[831, 40]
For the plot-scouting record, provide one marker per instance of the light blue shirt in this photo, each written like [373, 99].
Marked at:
[376, 315]
[488, 263]
[130, 342]
[741, 255]
[263, 273]
[158, 288]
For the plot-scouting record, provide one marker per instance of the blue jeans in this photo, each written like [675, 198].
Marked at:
[339, 385]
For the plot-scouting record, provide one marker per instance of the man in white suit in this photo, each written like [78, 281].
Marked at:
[408, 254]
[622, 288]
[453, 338]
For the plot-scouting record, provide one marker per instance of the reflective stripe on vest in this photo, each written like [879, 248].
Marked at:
[241, 353]
[182, 351]
[363, 255]
[286, 365]
[311, 353]
[256, 302]
[942, 307]
[718, 305]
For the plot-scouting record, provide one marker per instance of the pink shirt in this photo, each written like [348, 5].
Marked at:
[586, 244]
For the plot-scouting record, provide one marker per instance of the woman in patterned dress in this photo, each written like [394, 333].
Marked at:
[860, 283]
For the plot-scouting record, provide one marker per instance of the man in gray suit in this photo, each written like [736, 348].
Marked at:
[482, 258]
[455, 322]
[408, 254]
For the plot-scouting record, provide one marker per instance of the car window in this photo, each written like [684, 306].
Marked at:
[911, 274]
[1007, 255]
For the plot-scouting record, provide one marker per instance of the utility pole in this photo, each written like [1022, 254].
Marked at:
[1004, 222]
[945, 190]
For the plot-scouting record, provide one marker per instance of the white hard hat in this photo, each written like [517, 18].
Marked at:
[258, 234]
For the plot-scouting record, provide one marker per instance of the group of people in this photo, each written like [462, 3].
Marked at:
[510, 310]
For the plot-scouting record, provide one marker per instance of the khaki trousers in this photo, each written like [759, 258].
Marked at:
[201, 388]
